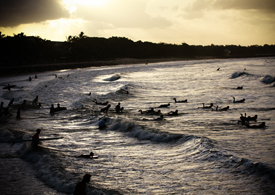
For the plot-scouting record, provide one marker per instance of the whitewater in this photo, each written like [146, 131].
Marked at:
[199, 151]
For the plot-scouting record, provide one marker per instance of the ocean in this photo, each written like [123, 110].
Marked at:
[199, 151]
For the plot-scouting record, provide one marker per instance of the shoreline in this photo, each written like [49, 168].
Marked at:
[38, 68]
[7, 71]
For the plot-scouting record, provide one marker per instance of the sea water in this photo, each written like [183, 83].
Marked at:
[200, 151]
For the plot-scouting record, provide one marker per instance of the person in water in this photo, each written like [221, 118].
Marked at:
[18, 114]
[52, 109]
[91, 155]
[106, 109]
[35, 138]
[118, 108]
[35, 101]
[11, 102]
[80, 188]
[102, 124]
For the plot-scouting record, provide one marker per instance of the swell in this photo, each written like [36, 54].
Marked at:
[202, 149]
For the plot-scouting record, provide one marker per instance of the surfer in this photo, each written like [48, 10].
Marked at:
[206, 107]
[91, 155]
[18, 114]
[52, 109]
[164, 105]
[118, 108]
[261, 125]
[238, 101]
[100, 103]
[35, 101]
[160, 118]
[173, 113]
[180, 101]
[102, 124]
[35, 138]
[222, 109]
[80, 188]
[240, 87]
[106, 108]
[11, 102]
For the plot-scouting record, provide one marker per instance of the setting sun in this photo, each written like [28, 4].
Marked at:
[94, 3]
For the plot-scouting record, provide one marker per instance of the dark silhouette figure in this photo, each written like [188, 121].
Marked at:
[180, 101]
[11, 102]
[207, 107]
[100, 103]
[119, 108]
[240, 87]
[161, 118]
[106, 109]
[18, 114]
[80, 188]
[238, 101]
[222, 109]
[2, 106]
[35, 138]
[261, 125]
[173, 113]
[52, 109]
[35, 101]
[102, 124]
[91, 155]
[164, 105]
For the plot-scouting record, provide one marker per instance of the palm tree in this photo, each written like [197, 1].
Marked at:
[82, 36]
[2, 35]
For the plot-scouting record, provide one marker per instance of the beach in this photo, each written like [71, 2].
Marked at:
[202, 150]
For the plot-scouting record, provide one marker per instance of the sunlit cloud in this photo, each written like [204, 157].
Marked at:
[244, 22]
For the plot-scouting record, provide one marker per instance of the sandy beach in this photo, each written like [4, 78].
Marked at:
[6, 71]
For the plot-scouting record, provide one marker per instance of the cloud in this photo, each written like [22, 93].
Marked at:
[122, 14]
[198, 8]
[16, 12]
[260, 5]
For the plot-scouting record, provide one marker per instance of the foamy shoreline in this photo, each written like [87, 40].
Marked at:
[17, 176]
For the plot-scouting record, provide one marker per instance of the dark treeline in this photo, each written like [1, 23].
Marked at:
[26, 50]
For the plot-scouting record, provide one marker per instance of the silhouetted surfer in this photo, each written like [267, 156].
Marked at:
[91, 155]
[80, 188]
[102, 124]
[35, 138]
[18, 114]
[105, 110]
[118, 108]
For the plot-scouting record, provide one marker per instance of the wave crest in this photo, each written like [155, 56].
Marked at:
[268, 79]
[113, 78]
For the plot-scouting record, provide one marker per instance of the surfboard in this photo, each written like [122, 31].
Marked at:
[9, 87]
[94, 157]
[27, 140]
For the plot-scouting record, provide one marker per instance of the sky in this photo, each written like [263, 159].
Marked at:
[195, 22]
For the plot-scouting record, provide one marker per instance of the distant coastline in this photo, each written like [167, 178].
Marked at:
[6, 71]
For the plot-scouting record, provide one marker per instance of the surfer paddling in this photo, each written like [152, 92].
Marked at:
[91, 155]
